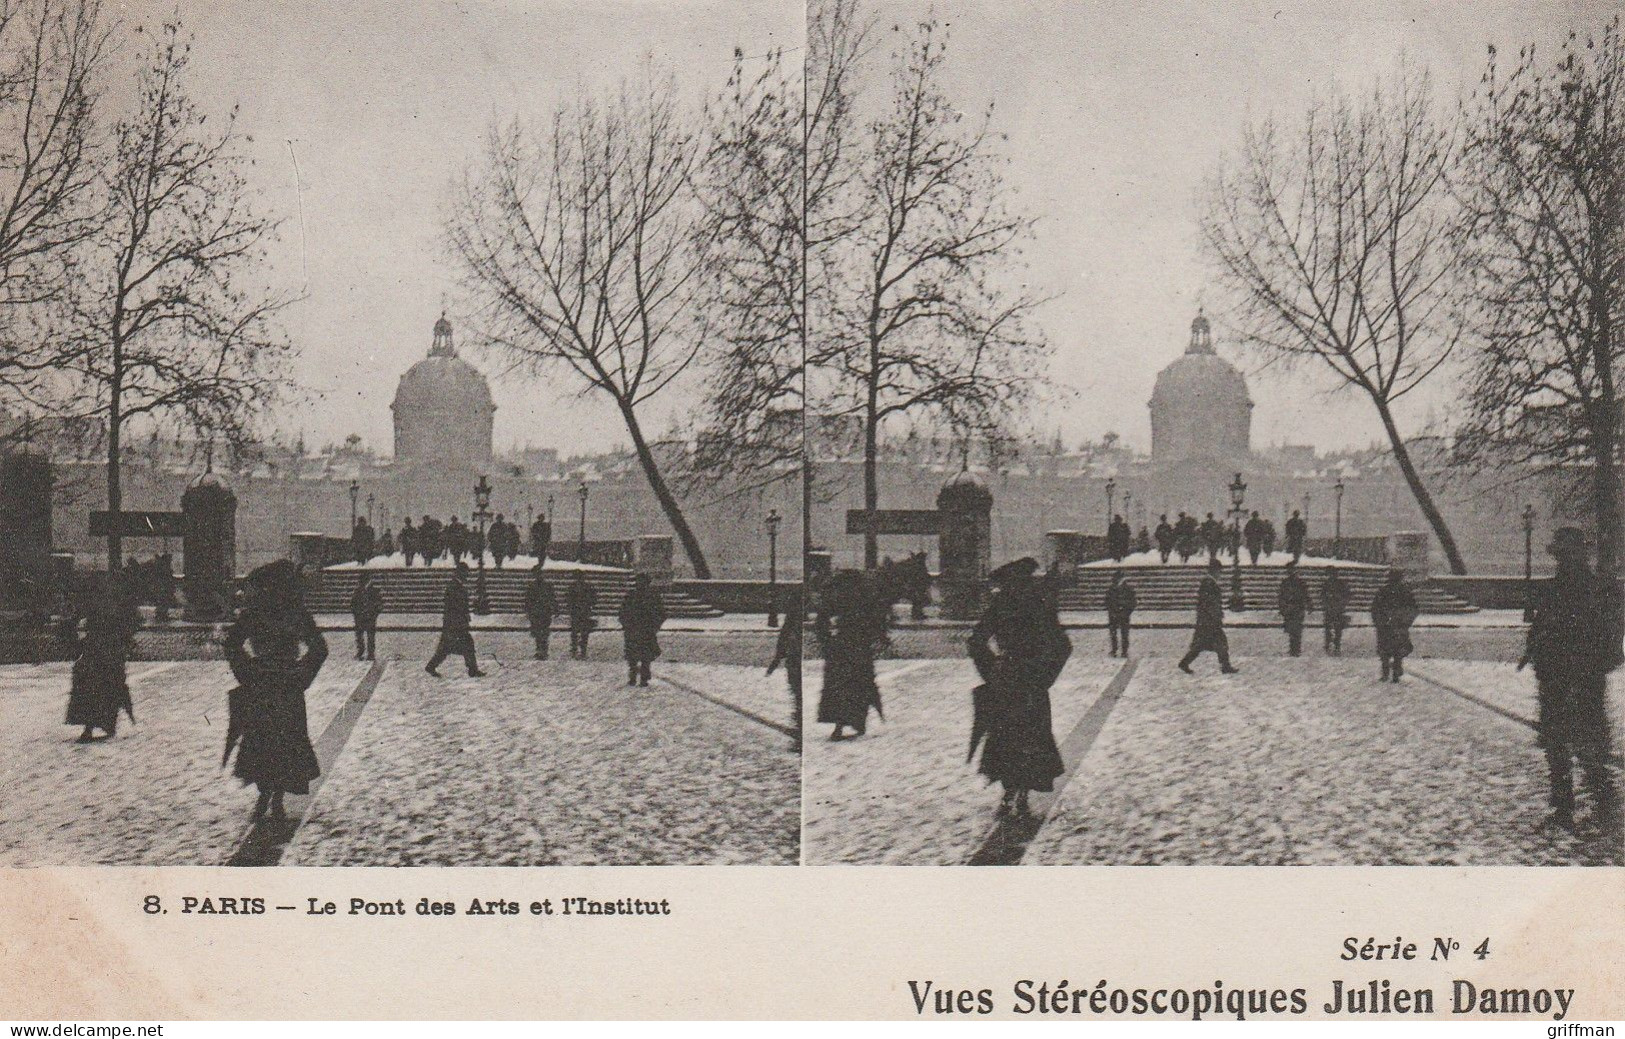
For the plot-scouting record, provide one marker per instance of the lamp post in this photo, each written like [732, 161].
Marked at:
[1528, 563]
[1238, 494]
[581, 542]
[370, 501]
[355, 496]
[1111, 495]
[1337, 533]
[773, 519]
[1128, 506]
[550, 508]
[482, 513]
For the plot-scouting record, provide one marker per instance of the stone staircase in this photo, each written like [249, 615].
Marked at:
[420, 590]
[1174, 587]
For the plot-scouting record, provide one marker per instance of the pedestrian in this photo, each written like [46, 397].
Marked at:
[386, 544]
[1297, 532]
[1393, 611]
[455, 537]
[99, 688]
[1292, 599]
[1253, 534]
[580, 601]
[1118, 536]
[1212, 536]
[409, 541]
[365, 606]
[361, 540]
[456, 625]
[1019, 650]
[642, 614]
[1120, 603]
[1209, 630]
[1142, 541]
[850, 690]
[787, 651]
[499, 541]
[1269, 538]
[539, 609]
[429, 540]
[1334, 604]
[1574, 642]
[1185, 536]
[1165, 538]
[541, 537]
[267, 714]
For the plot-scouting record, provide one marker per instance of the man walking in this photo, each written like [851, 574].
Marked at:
[365, 606]
[1334, 605]
[1212, 537]
[1393, 611]
[642, 614]
[1574, 643]
[456, 633]
[1209, 633]
[580, 601]
[539, 609]
[409, 541]
[1165, 538]
[1118, 536]
[361, 540]
[1253, 533]
[1297, 531]
[541, 536]
[1293, 602]
[1120, 603]
[429, 540]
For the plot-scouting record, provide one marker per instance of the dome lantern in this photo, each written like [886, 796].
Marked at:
[442, 346]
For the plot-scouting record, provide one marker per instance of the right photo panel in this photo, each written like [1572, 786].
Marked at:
[1211, 434]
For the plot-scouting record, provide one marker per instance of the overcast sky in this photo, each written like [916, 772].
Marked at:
[1115, 111]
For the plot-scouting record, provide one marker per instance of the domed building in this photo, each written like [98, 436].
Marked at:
[443, 411]
[1200, 408]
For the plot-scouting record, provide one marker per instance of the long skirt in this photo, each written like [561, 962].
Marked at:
[99, 691]
[849, 688]
[276, 754]
[1020, 750]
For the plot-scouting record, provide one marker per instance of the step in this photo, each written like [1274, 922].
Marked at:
[423, 590]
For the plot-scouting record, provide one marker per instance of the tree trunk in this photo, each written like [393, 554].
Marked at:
[1419, 491]
[115, 491]
[871, 461]
[668, 502]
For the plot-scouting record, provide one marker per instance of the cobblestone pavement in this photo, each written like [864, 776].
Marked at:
[154, 795]
[557, 762]
[1308, 761]
[1504, 686]
[903, 793]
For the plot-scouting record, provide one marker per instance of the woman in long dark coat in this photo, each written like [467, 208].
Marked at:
[850, 690]
[642, 614]
[268, 709]
[1393, 611]
[100, 689]
[1019, 649]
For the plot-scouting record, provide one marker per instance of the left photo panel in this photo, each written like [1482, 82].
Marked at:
[401, 433]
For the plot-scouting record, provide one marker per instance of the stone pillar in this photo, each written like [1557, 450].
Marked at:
[1408, 553]
[965, 544]
[210, 546]
[26, 576]
[1063, 550]
[655, 558]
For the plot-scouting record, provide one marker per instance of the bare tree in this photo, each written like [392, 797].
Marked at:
[171, 327]
[51, 53]
[924, 325]
[1334, 237]
[578, 246]
[1545, 228]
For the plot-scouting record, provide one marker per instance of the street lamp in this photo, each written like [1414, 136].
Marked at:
[1528, 563]
[1111, 494]
[355, 495]
[773, 520]
[482, 513]
[1337, 531]
[1238, 494]
[581, 550]
[550, 508]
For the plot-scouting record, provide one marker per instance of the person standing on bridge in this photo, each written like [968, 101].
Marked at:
[1393, 611]
[1574, 644]
[642, 614]
[1292, 599]
[1120, 604]
[365, 606]
[539, 609]
[1209, 631]
[1019, 649]
[1165, 538]
[456, 626]
[1334, 605]
[579, 602]
[267, 710]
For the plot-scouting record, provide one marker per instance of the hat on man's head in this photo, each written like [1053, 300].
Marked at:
[1567, 541]
[1016, 570]
[1214, 564]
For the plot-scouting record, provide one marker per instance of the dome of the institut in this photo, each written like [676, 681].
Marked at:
[1200, 407]
[443, 409]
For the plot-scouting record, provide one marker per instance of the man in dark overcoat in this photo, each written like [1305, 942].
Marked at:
[498, 540]
[409, 541]
[541, 536]
[1253, 535]
[642, 613]
[579, 602]
[1292, 600]
[1118, 536]
[429, 540]
[457, 539]
[1393, 611]
[1186, 536]
[456, 625]
[1297, 532]
[365, 606]
[1212, 536]
[1120, 604]
[1574, 642]
[1209, 632]
[540, 606]
[1165, 538]
[1334, 607]
[361, 539]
